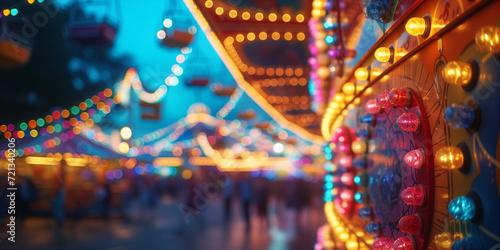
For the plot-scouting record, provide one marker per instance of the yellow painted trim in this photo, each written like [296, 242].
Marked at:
[242, 83]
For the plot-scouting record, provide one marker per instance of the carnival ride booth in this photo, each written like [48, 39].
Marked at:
[91, 22]
[178, 30]
[15, 49]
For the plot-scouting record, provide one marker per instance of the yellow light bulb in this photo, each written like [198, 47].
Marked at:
[449, 158]
[123, 147]
[343, 237]
[488, 39]
[358, 147]
[443, 240]
[383, 54]
[348, 88]
[416, 26]
[126, 133]
[361, 74]
[352, 244]
[457, 73]
[339, 97]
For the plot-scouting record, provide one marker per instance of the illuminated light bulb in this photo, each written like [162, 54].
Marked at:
[126, 133]
[365, 213]
[404, 243]
[461, 73]
[366, 119]
[450, 158]
[462, 208]
[348, 88]
[361, 179]
[373, 228]
[459, 115]
[415, 158]
[358, 147]
[346, 161]
[409, 122]
[123, 147]
[413, 196]
[488, 39]
[384, 54]
[372, 106]
[346, 195]
[361, 197]
[400, 97]
[443, 240]
[381, 242]
[361, 74]
[383, 100]
[347, 178]
[411, 224]
[418, 26]
[467, 243]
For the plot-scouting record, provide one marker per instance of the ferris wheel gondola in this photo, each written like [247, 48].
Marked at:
[91, 24]
[15, 49]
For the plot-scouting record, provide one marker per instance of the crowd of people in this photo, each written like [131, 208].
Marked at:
[239, 193]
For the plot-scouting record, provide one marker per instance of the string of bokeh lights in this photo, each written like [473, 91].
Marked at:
[14, 11]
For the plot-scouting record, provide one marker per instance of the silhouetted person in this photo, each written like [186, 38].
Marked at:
[245, 191]
[262, 190]
[228, 193]
[60, 202]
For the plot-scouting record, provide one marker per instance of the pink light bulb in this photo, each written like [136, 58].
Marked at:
[372, 106]
[404, 243]
[347, 178]
[381, 242]
[345, 161]
[383, 100]
[415, 158]
[346, 195]
[413, 196]
[409, 122]
[400, 97]
[411, 224]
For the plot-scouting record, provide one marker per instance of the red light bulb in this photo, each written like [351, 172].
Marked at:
[372, 106]
[381, 242]
[413, 196]
[404, 243]
[415, 158]
[411, 224]
[400, 97]
[409, 122]
[347, 178]
[383, 100]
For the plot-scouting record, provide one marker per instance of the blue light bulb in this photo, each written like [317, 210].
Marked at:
[331, 39]
[361, 179]
[365, 213]
[462, 208]
[328, 185]
[328, 178]
[361, 197]
[366, 118]
[459, 115]
[373, 228]
[376, 10]
[469, 243]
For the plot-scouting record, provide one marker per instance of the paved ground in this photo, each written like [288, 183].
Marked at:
[168, 230]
